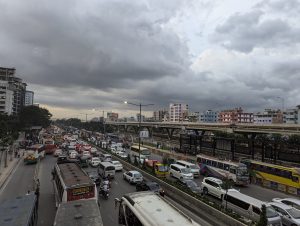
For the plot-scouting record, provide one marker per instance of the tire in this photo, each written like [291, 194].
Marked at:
[205, 191]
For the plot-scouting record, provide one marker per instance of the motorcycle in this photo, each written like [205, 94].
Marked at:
[104, 192]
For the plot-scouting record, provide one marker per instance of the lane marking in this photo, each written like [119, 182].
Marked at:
[10, 177]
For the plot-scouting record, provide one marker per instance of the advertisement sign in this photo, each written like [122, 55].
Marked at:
[144, 134]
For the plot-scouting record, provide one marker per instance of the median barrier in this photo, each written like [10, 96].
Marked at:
[194, 205]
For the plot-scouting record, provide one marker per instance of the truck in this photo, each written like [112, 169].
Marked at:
[160, 170]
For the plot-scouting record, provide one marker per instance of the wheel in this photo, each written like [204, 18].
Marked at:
[205, 191]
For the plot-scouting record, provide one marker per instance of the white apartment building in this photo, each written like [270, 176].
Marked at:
[178, 112]
[29, 98]
[6, 97]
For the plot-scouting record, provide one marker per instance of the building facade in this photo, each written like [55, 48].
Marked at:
[209, 116]
[138, 117]
[236, 115]
[161, 115]
[6, 98]
[29, 98]
[15, 84]
[178, 112]
[268, 116]
[291, 116]
[112, 116]
[193, 116]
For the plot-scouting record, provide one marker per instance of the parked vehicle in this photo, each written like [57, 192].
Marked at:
[192, 186]
[289, 201]
[133, 176]
[180, 172]
[195, 169]
[149, 186]
[95, 161]
[213, 186]
[250, 207]
[106, 169]
[290, 216]
[118, 165]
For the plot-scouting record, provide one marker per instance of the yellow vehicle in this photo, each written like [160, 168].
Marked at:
[159, 169]
[282, 178]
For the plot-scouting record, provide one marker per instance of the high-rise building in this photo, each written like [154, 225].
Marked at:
[29, 98]
[236, 115]
[112, 116]
[6, 97]
[209, 116]
[178, 112]
[161, 115]
[16, 85]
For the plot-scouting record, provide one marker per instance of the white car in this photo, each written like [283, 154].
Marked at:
[121, 154]
[289, 201]
[214, 186]
[58, 152]
[133, 176]
[73, 155]
[86, 154]
[93, 150]
[290, 216]
[118, 165]
[95, 161]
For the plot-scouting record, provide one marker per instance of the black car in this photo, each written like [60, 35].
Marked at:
[192, 186]
[95, 177]
[149, 186]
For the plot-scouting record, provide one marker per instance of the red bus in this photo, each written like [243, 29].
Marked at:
[71, 183]
[50, 146]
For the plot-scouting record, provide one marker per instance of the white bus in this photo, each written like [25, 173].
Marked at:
[150, 209]
[214, 167]
[143, 153]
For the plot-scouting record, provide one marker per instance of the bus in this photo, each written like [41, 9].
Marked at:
[282, 178]
[21, 210]
[50, 146]
[71, 183]
[33, 153]
[79, 212]
[223, 169]
[144, 153]
[138, 209]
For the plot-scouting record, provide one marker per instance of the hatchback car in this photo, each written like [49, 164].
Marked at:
[192, 186]
[149, 186]
[95, 161]
[290, 216]
[118, 165]
[133, 176]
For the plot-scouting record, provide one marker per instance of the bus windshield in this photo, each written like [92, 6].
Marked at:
[242, 171]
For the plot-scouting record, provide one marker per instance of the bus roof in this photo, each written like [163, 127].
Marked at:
[17, 211]
[73, 175]
[157, 211]
[229, 162]
[80, 212]
[274, 166]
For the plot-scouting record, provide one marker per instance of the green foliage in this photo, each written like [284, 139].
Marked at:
[8, 129]
[263, 221]
[34, 116]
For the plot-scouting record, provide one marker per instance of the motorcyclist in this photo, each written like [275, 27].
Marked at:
[104, 188]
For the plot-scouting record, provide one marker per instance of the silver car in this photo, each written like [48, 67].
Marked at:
[290, 216]
[289, 201]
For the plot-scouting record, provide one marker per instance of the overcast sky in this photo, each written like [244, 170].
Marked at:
[79, 55]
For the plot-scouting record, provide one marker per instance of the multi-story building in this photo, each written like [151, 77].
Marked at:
[209, 116]
[138, 117]
[16, 85]
[6, 97]
[178, 112]
[193, 116]
[29, 98]
[236, 115]
[291, 116]
[161, 115]
[112, 116]
[268, 116]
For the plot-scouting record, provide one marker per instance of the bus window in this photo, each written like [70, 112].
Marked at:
[214, 164]
[232, 170]
[220, 165]
[132, 220]
[226, 167]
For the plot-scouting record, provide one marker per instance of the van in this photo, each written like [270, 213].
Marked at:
[250, 207]
[180, 172]
[106, 169]
[105, 157]
[195, 169]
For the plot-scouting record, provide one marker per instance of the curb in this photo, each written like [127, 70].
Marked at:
[9, 173]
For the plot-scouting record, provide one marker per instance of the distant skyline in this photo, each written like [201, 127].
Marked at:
[211, 54]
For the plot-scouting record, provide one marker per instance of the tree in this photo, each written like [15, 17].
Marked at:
[8, 129]
[227, 184]
[294, 140]
[34, 116]
[263, 220]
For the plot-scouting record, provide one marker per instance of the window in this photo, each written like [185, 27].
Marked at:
[237, 202]
[256, 210]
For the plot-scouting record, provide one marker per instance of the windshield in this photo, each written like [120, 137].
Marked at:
[242, 171]
[194, 167]
[294, 213]
[271, 212]
[162, 168]
[185, 170]
[191, 183]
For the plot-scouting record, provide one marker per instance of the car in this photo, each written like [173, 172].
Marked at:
[213, 186]
[58, 152]
[290, 216]
[95, 177]
[121, 154]
[192, 186]
[118, 165]
[133, 176]
[95, 161]
[93, 150]
[149, 186]
[289, 201]
[73, 155]
[86, 154]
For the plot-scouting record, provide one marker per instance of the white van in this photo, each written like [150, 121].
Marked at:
[106, 169]
[195, 169]
[180, 172]
[250, 207]
[105, 157]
